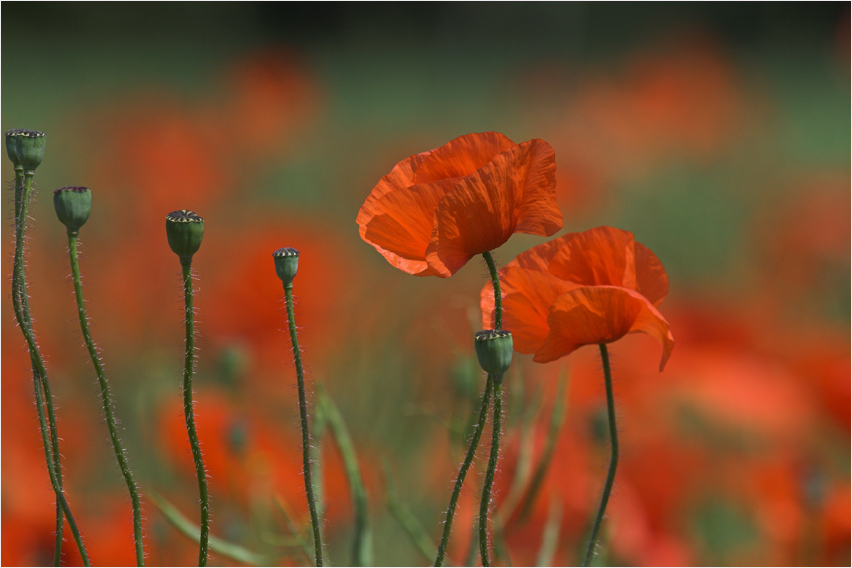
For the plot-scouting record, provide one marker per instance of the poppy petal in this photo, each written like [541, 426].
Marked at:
[401, 176]
[540, 214]
[603, 256]
[513, 191]
[601, 314]
[527, 296]
[651, 279]
[598, 257]
[462, 156]
[402, 227]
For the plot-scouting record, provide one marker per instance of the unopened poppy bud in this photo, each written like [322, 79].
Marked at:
[286, 264]
[29, 145]
[184, 230]
[494, 350]
[73, 206]
[12, 146]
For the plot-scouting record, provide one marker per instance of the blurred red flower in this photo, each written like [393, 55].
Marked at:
[436, 210]
[271, 95]
[582, 289]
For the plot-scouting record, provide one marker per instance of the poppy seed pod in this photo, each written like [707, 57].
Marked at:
[12, 145]
[29, 145]
[286, 264]
[73, 206]
[184, 230]
[494, 350]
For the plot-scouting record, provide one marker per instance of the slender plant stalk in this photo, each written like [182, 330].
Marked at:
[189, 359]
[59, 495]
[362, 543]
[613, 462]
[495, 282]
[303, 415]
[20, 302]
[468, 459]
[485, 503]
[106, 399]
[19, 291]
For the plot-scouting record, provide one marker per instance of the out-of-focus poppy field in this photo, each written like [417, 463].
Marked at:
[718, 134]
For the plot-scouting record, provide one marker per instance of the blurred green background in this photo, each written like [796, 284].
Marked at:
[719, 134]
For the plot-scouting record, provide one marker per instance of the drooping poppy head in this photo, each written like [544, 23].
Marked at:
[436, 210]
[581, 289]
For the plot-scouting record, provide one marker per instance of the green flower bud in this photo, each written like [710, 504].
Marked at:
[12, 145]
[286, 264]
[494, 350]
[73, 206]
[184, 230]
[29, 145]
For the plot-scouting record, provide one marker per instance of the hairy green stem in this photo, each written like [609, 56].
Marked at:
[59, 495]
[468, 459]
[120, 455]
[485, 502]
[303, 416]
[19, 293]
[20, 302]
[498, 298]
[189, 359]
[613, 462]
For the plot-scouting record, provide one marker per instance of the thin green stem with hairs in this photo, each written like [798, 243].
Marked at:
[303, 417]
[189, 359]
[468, 459]
[106, 399]
[485, 502]
[495, 282]
[19, 292]
[59, 495]
[20, 302]
[613, 462]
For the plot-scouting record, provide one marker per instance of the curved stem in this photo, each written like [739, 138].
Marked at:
[485, 503]
[106, 399]
[189, 359]
[303, 415]
[498, 298]
[613, 461]
[468, 459]
[63, 503]
[20, 302]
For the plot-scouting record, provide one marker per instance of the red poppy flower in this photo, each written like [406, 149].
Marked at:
[436, 210]
[581, 289]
